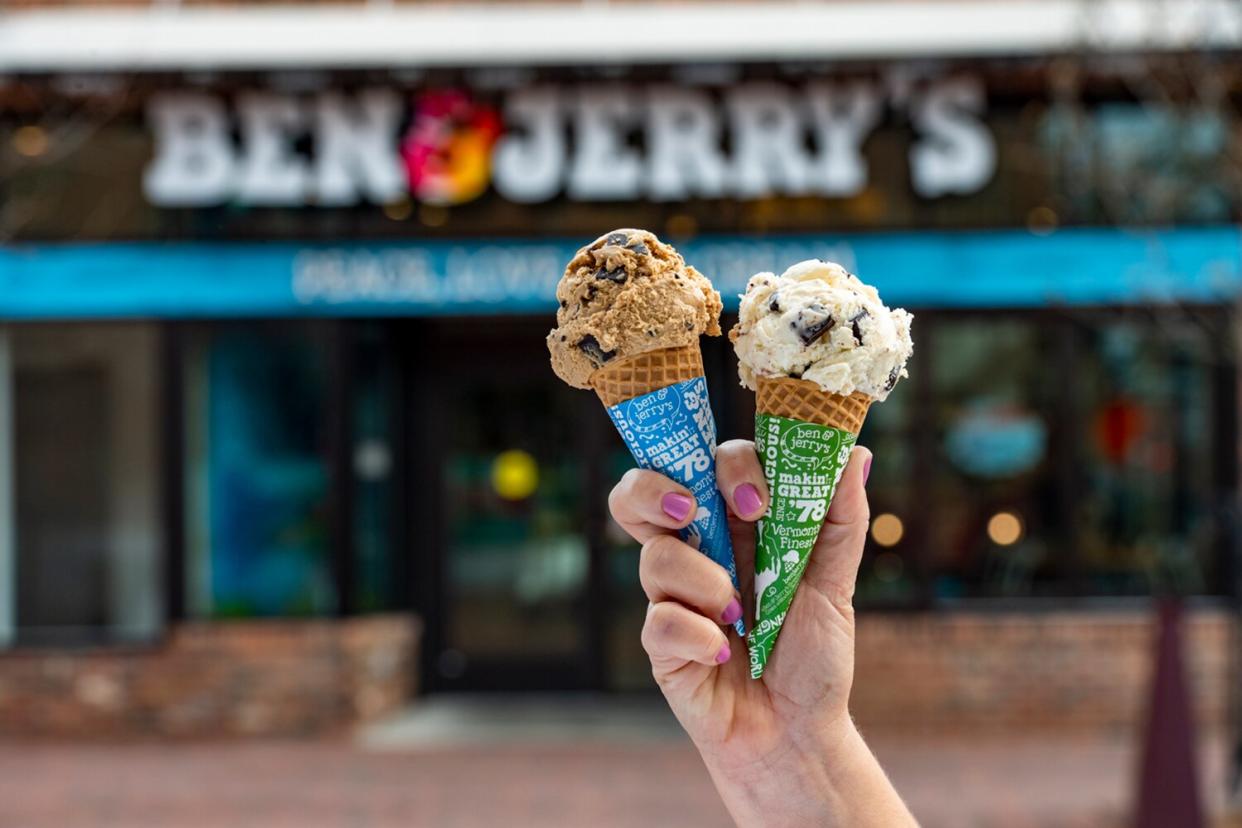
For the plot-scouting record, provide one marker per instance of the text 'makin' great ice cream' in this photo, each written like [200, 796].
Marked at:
[817, 346]
[630, 317]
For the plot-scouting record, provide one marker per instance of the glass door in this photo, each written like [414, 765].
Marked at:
[516, 605]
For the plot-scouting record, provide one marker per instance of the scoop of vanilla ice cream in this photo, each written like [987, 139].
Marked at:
[819, 322]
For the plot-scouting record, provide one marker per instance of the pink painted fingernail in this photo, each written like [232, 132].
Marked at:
[723, 655]
[732, 612]
[676, 506]
[746, 498]
[866, 470]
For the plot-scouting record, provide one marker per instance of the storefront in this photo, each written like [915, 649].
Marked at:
[274, 342]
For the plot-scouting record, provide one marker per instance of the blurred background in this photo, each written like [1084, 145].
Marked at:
[281, 456]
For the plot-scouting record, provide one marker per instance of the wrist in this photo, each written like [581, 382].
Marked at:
[792, 783]
[821, 776]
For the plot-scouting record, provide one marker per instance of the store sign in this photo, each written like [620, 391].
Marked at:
[588, 143]
[1073, 267]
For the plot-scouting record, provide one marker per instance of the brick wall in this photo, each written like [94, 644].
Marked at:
[280, 677]
[998, 672]
[1016, 671]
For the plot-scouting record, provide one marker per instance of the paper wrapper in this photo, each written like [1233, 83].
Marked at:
[658, 402]
[804, 437]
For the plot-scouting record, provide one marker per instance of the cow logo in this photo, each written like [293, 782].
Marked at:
[447, 149]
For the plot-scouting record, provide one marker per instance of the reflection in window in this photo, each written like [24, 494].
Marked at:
[85, 467]
[888, 574]
[1146, 514]
[258, 477]
[517, 560]
[992, 384]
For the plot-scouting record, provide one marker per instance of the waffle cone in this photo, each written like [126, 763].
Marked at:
[797, 399]
[625, 379]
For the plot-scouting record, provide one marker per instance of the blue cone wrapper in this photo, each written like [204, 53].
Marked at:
[672, 430]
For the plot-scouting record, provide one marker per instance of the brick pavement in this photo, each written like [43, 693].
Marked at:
[959, 783]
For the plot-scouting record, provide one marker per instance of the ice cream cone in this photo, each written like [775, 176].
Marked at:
[797, 399]
[658, 402]
[625, 379]
[804, 436]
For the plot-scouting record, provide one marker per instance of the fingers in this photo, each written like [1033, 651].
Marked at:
[833, 568]
[646, 504]
[740, 479]
[849, 504]
[673, 634]
[669, 570]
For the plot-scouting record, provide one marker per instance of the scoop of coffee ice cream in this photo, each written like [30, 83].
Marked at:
[624, 294]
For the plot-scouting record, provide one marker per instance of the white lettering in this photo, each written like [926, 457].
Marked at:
[270, 172]
[683, 146]
[194, 162]
[355, 152]
[957, 153]
[769, 156]
[604, 168]
[843, 117]
[529, 168]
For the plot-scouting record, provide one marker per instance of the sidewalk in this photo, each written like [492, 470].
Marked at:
[437, 768]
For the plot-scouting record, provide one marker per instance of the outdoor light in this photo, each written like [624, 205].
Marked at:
[515, 474]
[1005, 528]
[887, 529]
[432, 216]
[398, 210]
[30, 141]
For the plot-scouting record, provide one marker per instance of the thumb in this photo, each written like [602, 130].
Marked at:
[833, 568]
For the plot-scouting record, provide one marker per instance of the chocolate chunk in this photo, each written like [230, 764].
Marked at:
[620, 239]
[590, 295]
[854, 320]
[892, 378]
[812, 323]
[689, 326]
[564, 304]
[775, 304]
[589, 345]
[617, 274]
[795, 375]
[639, 248]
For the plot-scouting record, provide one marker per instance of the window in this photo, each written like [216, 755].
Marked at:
[79, 463]
[993, 521]
[1053, 453]
[1148, 507]
[257, 472]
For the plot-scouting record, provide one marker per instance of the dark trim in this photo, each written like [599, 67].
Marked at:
[591, 444]
[401, 528]
[172, 467]
[921, 426]
[422, 508]
[338, 408]
[1066, 452]
[1226, 461]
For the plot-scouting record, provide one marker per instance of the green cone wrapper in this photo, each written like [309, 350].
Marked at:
[802, 463]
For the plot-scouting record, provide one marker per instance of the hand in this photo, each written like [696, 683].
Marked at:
[782, 749]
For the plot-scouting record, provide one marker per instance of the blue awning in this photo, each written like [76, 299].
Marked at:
[915, 269]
